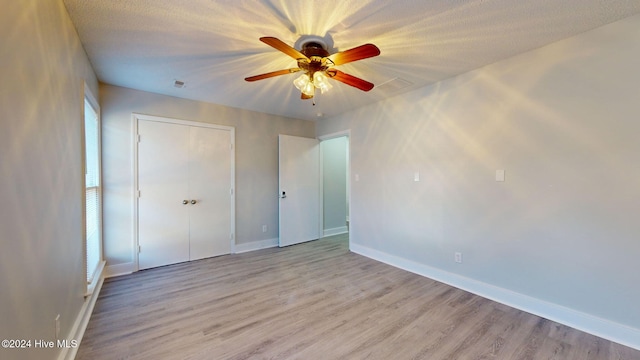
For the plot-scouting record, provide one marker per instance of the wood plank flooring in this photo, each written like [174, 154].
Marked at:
[316, 301]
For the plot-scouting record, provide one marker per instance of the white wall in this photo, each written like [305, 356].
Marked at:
[563, 229]
[334, 188]
[41, 173]
[256, 163]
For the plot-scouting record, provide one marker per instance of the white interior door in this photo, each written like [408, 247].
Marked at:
[209, 188]
[299, 182]
[163, 219]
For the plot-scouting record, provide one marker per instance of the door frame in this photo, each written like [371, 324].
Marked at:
[338, 134]
[135, 140]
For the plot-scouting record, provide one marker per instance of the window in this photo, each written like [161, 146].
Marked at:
[93, 191]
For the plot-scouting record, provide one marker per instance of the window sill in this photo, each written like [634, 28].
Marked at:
[96, 278]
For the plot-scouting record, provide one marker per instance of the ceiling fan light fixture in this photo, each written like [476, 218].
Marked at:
[321, 81]
[308, 89]
[306, 85]
[301, 81]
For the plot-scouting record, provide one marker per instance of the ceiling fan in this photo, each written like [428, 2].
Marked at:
[317, 65]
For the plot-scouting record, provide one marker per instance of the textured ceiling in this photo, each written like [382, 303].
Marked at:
[213, 45]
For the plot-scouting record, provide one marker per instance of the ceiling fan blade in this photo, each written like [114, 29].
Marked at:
[272, 74]
[304, 96]
[350, 80]
[357, 53]
[279, 45]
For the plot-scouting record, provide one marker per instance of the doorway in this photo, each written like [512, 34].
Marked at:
[335, 170]
[314, 185]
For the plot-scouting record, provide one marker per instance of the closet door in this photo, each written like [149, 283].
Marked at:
[210, 189]
[163, 173]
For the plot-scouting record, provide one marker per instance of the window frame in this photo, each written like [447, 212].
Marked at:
[93, 279]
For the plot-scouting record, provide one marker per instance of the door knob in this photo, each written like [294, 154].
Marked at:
[185, 202]
[193, 202]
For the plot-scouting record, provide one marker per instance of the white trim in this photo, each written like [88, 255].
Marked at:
[255, 245]
[320, 190]
[135, 117]
[134, 193]
[130, 267]
[120, 269]
[603, 328]
[91, 287]
[335, 231]
[89, 97]
[82, 320]
[334, 135]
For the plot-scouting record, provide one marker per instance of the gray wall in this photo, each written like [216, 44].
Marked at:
[334, 180]
[563, 121]
[256, 162]
[41, 173]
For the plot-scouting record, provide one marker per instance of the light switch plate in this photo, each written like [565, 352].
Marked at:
[499, 175]
[416, 176]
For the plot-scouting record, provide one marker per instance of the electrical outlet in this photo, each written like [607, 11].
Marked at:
[457, 257]
[57, 323]
[264, 228]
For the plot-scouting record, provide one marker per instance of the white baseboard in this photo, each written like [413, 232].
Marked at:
[82, 320]
[335, 231]
[120, 269]
[603, 328]
[255, 245]
[130, 267]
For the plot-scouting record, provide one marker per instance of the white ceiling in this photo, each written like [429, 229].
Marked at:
[213, 45]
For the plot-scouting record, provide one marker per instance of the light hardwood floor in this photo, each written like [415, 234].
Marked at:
[316, 301]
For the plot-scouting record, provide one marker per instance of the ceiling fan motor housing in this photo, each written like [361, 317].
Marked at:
[317, 53]
[313, 48]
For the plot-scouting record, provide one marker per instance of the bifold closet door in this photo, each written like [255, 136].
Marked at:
[163, 179]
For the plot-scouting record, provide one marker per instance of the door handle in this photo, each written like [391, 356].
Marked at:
[193, 202]
[185, 202]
